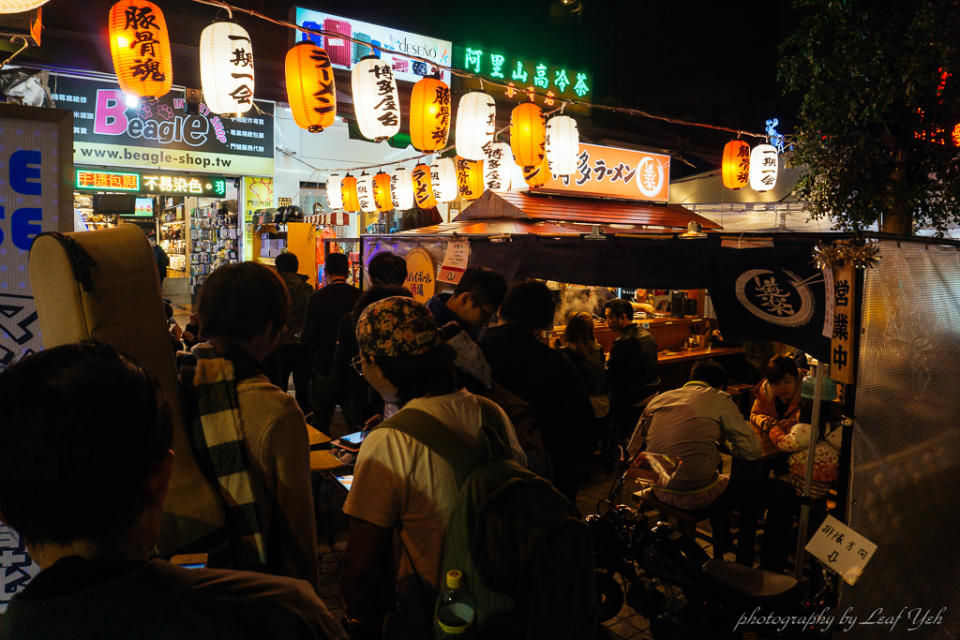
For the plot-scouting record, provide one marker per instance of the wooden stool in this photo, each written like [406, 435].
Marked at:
[687, 521]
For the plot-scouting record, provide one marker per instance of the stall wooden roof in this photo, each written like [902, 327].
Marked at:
[525, 206]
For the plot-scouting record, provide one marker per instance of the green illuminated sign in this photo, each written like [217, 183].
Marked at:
[151, 182]
[524, 73]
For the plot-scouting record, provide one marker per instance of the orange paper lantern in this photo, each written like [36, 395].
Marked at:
[429, 115]
[469, 178]
[310, 87]
[527, 134]
[423, 187]
[736, 164]
[537, 175]
[140, 48]
[381, 192]
[348, 189]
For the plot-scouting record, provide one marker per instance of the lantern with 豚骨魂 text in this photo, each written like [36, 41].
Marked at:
[476, 124]
[376, 101]
[527, 135]
[226, 68]
[562, 145]
[469, 178]
[335, 192]
[423, 187]
[140, 48]
[429, 114]
[735, 169]
[348, 191]
[310, 86]
[443, 177]
[381, 192]
[537, 175]
[401, 189]
[497, 165]
[365, 193]
[764, 167]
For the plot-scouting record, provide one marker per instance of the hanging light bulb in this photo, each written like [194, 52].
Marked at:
[764, 167]
[423, 187]
[735, 169]
[562, 144]
[429, 115]
[334, 192]
[497, 165]
[226, 68]
[476, 124]
[469, 178]
[401, 189]
[376, 101]
[140, 48]
[381, 192]
[365, 193]
[348, 189]
[443, 177]
[527, 134]
[311, 91]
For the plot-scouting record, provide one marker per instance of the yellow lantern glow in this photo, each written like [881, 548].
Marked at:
[348, 192]
[429, 115]
[140, 48]
[527, 134]
[423, 187]
[469, 178]
[226, 68]
[537, 174]
[735, 169]
[311, 90]
[381, 192]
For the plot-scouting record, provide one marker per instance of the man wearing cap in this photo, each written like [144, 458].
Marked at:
[319, 337]
[401, 485]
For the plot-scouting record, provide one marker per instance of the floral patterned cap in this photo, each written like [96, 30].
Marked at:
[397, 326]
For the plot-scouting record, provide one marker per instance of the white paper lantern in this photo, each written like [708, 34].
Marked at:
[19, 6]
[517, 181]
[226, 68]
[365, 194]
[764, 167]
[476, 124]
[497, 165]
[376, 101]
[443, 175]
[334, 191]
[563, 145]
[401, 189]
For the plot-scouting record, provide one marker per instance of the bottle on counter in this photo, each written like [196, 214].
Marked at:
[455, 608]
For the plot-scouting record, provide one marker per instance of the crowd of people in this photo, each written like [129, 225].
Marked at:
[84, 482]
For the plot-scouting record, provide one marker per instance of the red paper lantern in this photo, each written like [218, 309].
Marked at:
[527, 134]
[537, 175]
[735, 169]
[310, 86]
[469, 178]
[381, 192]
[140, 48]
[423, 187]
[348, 189]
[429, 115]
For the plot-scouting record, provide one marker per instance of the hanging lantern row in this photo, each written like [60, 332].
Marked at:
[758, 167]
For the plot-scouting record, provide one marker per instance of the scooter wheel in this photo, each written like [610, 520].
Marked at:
[609, 595]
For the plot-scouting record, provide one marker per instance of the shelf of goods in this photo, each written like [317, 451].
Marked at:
[172, 239]
[213, 242]
[83, 204]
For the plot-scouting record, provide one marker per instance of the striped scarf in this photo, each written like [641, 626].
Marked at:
[219, 442]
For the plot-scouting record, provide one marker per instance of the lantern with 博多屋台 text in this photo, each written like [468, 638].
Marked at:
[348, 191]
[429, 114]
[562, 145]
[469, 178]
[376, 101]
[226, 68]
[443, 177]
[334, 192]
[401, 189]
[735, 169]
[423, 187]
[310, 87]
[497, 165]
[140, 48]
[476, 124]
[537, 175]
[527, 134]
[764, 167]
[381, 192]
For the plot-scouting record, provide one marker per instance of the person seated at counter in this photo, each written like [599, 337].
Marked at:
[777, 396]
[85, 463]
[587, 356]
[632, 372]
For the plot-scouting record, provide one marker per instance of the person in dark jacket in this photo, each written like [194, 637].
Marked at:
[472, 303]
[543, 377]
[293, 358]
[631, 367]
[319, 337]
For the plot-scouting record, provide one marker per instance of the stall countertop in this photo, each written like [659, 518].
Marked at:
[667, 356]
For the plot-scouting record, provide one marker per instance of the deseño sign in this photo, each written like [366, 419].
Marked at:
[615, 173]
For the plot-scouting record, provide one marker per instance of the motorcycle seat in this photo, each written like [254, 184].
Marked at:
[756, 583]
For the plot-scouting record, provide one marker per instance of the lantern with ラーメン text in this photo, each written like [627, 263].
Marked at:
[311, 91]
[140, 48]
[334, 192]
[562, 145]
[348, 191]
[423, 187]
[497, 165]
[365, 193]
[443, 177]
[735, 169]
[226, 68]
[376, 101]
[476, 124]
[764, 167]
[537, 175]
[429, 114]
[527, 135]
[401, 189]
[469, 178]
[381, 192]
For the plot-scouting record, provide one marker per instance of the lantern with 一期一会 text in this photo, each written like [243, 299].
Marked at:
[381, 192]
[469, 178]
[401, 189]
[140, 48]
[735, 169]
[429, 114]
[497, 165]
[764, 166]
[348, 191]
[365, 193]
[310, 86]
[334, 192]
[443, 177]
[562, 145]
[376, 101]
[537, 175]
[226, 68]
[423, 187]
[476, 124]
[527, 134]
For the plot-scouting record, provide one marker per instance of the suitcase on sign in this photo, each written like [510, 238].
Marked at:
[340, 50]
